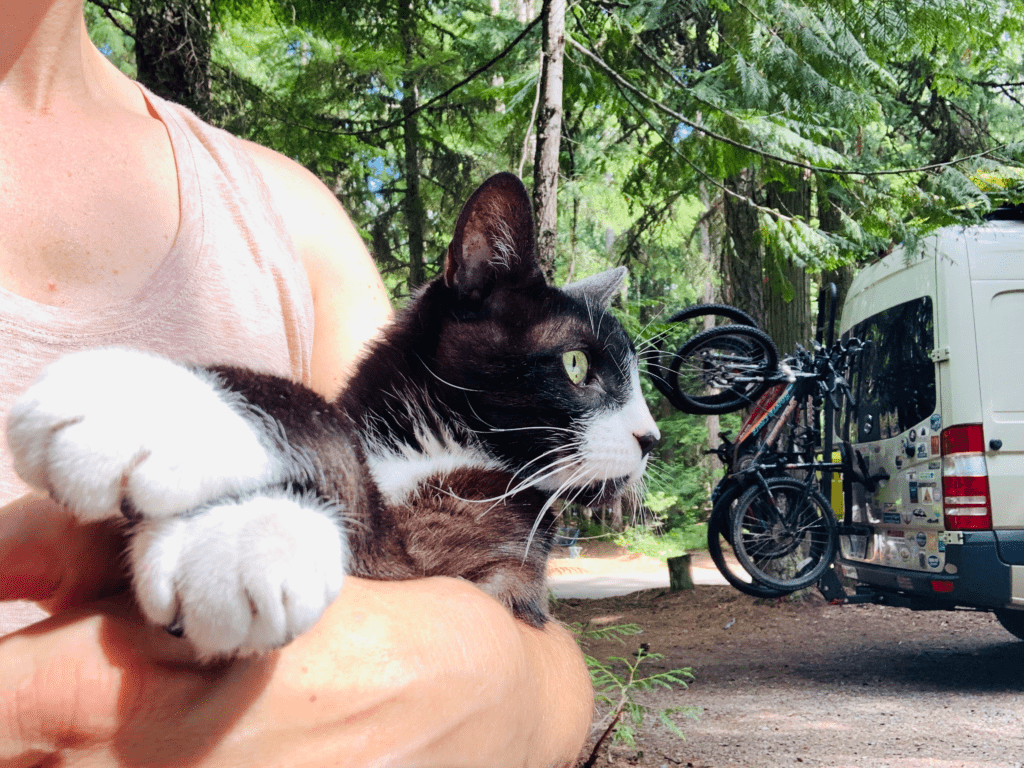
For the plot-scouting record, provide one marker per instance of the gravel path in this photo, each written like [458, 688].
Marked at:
[821, 686]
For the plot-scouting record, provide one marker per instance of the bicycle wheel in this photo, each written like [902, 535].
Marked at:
[785, 538]
[718, 310]
[722, 369]
[654, 362]
[719, 534]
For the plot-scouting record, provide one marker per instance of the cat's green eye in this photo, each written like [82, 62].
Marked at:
[576, 365]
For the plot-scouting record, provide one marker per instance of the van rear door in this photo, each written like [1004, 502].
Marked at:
[997, 287]
[896, 424]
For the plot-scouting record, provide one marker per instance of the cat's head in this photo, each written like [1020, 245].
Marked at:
[545, 377]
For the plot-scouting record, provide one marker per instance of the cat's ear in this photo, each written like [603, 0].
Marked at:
[494, 239]
[600, 288]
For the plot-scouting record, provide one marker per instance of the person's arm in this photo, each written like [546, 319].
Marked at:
[350, 302]
[49, 557]
[431, 672]
[380, 680]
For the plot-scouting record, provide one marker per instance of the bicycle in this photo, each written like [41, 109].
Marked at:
[781, 528]
[723, 367]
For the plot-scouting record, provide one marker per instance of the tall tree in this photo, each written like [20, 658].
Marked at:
[412, 203]
[788, 284]
[549, 135]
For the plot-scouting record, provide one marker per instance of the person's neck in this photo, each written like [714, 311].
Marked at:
[46, 57]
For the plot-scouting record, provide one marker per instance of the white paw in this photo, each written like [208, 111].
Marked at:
[241, 577]
[112, 424]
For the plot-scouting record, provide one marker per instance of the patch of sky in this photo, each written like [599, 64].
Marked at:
[300, 49]
[375, 183]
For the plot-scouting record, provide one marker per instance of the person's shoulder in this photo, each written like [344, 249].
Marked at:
[305, 203]
[350, 302]
[279, 168]
[313, 216]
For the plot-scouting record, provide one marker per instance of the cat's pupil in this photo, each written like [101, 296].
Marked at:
[576, 364]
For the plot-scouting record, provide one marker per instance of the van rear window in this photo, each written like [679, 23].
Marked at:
[894, 380]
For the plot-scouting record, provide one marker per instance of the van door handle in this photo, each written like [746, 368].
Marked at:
[995, 443]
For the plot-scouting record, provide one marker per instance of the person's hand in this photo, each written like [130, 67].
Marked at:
[429, 672]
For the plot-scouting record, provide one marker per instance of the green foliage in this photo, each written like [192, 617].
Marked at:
[110, 39]
[587, 633]
[859, 88]
[618, 679]
[679, 482]
[671, 543]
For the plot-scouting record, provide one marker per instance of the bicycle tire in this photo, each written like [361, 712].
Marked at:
[692, 312]
[730, 313]
[787, 541]
[738, 359]
[719, 531]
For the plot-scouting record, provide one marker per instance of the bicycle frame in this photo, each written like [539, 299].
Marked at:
[773, 410]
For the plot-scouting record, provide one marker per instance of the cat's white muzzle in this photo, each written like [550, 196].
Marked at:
[609, 448]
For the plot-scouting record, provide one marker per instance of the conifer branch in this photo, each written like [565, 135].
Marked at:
[109, 11]
[378, 127]
[693, 166]
[616, 77]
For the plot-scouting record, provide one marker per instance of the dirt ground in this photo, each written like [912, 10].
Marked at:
[813, 685]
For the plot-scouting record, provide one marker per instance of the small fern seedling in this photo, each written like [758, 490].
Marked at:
[619, 678]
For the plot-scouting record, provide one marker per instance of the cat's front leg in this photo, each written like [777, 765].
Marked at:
[112, 429]
[240, 576]
[220, 551]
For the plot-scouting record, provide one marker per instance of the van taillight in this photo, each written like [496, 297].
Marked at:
[965, 493]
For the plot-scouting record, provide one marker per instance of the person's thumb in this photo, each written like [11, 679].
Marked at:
[45, 555]
[72, 684]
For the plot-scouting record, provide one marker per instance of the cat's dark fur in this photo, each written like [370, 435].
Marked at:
[442, 454]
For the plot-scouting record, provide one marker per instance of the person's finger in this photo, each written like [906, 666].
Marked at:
[45, 555]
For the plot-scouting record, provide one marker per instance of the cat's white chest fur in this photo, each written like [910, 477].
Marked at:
[399, 471]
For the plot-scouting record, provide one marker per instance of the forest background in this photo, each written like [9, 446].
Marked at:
[739, 151]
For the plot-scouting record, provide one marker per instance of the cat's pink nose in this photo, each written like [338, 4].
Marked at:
[647, 442]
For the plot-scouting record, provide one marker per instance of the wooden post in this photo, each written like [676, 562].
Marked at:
[679, 576]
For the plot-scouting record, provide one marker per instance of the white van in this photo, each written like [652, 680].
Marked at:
[940, 410]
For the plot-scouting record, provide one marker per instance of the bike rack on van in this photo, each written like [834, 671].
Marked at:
[781, 528]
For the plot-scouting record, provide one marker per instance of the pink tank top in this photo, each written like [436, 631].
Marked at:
[231, 290]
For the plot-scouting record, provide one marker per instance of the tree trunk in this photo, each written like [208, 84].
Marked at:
[172, 50]
[707, 253]
[615, 521]
[549, 136]
[742, 254]
[829, 220]
[680, 573]
[412, 203]
[788, 287]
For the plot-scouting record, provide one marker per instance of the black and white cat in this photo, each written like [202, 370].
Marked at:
[250, 497]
